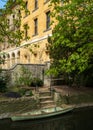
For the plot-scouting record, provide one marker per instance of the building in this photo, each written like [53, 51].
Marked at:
[36, 26]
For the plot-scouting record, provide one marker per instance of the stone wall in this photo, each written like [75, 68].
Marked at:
[37, 70]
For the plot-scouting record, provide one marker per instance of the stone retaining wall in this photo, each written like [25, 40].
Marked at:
[37, 70]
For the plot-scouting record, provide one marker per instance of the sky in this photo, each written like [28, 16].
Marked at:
[2, 3]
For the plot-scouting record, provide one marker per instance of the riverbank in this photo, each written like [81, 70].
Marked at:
[10, 106]
[7, 115]
[74, 97]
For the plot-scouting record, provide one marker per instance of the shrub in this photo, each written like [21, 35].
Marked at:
[36, 82]
[29, 93]
[4, 77]
[22, 91]
[24, 77]
[2, 84]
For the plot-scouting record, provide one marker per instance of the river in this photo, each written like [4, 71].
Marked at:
[80, 119]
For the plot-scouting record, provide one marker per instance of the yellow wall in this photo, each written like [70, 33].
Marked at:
[40, 13]
[39, 54]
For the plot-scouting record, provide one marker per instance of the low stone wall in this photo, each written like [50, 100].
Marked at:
[37, 70]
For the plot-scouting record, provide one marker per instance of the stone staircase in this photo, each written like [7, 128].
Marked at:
[46, 98]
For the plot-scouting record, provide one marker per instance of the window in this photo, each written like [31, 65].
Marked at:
[48, 20]
[35, 26]
[26, 31]
[36, 4]
[26, 8]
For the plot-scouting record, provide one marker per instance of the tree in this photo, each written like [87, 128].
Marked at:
[71, 45]
[10, 22]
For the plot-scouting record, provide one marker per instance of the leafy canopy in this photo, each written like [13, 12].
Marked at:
[10, 22]
[71, 45]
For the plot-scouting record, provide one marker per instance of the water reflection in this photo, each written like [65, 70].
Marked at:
[78, 120]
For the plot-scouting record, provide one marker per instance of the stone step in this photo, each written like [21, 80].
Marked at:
[45, 93]
[49, 106]
[47, 103]
[44, 89]
[45, 98]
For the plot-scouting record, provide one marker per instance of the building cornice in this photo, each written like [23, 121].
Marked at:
[27, 43]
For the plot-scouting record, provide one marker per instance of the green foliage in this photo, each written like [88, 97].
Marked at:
[25, 91]
[24, 77]
[22, 91]
[2, 84]
[71, 45]
[36, 82]
[10, 31]
[4, 78]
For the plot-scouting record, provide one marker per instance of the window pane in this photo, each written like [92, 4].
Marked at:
[35, 26]
[48, 20]
[36, 4]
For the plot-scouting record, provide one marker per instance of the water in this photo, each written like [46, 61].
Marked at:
[77, 120]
